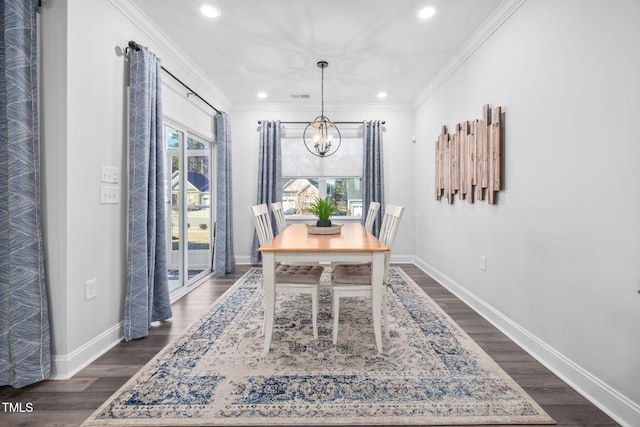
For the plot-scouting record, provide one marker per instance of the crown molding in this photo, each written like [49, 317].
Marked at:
[329, 109]
[187, 67]
[499, 16]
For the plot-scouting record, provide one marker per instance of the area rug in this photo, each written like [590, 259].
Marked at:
[430, 372]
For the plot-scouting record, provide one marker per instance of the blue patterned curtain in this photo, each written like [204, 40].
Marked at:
[224, 259]
[147, 294]
[373, 174]
[25, 353]
[269, 172]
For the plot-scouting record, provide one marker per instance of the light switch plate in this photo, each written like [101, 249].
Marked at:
[109, 194]
[110, 174]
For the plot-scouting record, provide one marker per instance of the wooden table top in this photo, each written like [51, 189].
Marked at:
[353, 238]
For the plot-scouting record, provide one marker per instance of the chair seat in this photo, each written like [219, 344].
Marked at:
[299, 274]
[351, 274]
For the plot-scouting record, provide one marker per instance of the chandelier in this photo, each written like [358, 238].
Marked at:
[321, 136]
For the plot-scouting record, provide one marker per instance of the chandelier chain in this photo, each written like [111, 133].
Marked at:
[322, 92]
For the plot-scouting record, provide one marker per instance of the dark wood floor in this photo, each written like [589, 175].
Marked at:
[69, 403]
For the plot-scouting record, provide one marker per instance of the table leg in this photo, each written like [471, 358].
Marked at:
[377, 277]
[269, 279]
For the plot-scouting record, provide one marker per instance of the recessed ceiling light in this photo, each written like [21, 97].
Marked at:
[382, 95]
[210, 11]
[426, 12]
[262, 95]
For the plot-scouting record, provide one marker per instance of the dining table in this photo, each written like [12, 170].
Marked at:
[296, 244]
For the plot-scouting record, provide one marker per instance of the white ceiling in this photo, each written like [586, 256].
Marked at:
[274, 45]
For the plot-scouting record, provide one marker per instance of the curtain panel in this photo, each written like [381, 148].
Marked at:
[224, 258]
[373, 171]
[25, 349]
[269, 173]
[147, 292]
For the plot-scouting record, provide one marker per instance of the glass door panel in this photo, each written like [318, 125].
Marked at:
[198, 207]
[173, 140]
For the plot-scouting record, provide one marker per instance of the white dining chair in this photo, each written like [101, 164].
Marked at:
[374, 207]
[278, 213]
[372, 212]
[304, 279]
[354, 280]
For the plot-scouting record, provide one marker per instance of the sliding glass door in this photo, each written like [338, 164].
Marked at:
[190, 245]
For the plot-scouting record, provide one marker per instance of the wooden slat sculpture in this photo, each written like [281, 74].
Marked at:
[470, 159]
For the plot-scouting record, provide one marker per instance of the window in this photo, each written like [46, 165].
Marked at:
[305, 176]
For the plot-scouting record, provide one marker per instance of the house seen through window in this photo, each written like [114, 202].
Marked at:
[299, 193]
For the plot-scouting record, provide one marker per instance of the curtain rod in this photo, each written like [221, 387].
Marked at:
[306, 123]
[134, 46]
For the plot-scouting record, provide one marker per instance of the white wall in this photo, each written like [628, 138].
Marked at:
[562, 243]
[84, 117]
[398, 163]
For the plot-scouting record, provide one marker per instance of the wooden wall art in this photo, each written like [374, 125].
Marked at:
[469, 161]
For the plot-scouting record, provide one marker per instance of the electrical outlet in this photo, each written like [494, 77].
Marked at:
[109, 194]
[90, 289]
[483, 263]
[109, 174]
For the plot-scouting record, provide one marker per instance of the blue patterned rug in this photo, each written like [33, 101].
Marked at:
[431, 372]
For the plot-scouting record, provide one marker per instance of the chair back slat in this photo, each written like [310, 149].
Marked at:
[374, 207]
[390, 222]
[262, 221]
[278, 213]
[388, 230]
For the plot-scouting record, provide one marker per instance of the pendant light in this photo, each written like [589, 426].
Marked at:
[321, 136]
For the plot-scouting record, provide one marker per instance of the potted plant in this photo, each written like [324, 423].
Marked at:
[323, 209]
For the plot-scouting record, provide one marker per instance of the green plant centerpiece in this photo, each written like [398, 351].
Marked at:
[323, 209]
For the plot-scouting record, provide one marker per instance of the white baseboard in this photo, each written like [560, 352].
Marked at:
[614, 404]
[243, 259]
[66, 366]
[402, 259]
